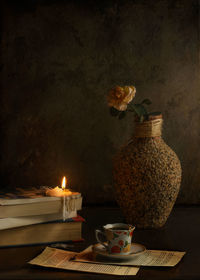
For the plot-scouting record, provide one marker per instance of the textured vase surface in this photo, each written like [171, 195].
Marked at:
[147, 177]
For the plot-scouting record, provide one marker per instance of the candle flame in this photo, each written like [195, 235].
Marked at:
[64, 181]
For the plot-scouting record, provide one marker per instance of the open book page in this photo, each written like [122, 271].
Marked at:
[147, 258]
[57, 258]
[159, 258]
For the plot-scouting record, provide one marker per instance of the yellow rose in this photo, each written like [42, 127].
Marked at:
[120, 97]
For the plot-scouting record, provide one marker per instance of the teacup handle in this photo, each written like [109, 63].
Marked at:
[98, 233]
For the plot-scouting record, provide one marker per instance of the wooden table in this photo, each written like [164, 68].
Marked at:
[181, 233]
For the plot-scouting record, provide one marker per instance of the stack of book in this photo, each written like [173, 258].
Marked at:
[30, 217]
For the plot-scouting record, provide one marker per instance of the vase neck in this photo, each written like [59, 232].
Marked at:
[148, 129]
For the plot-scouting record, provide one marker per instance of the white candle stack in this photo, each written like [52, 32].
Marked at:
[71, 200]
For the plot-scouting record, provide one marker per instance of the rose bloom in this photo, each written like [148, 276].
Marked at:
[120, 97]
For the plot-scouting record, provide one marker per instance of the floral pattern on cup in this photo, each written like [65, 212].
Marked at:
[115, 249]
[127, 248]
[121, 243]
[121, 247]
[118, 240]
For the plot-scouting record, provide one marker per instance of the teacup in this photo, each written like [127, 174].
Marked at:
[118, 237]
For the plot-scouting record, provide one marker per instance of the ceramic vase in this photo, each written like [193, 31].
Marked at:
[147, 176]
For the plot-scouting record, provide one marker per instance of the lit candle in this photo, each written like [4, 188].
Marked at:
[61, 192]
[57, 191]
[64, 206]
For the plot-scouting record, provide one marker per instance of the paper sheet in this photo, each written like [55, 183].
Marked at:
[57, 258]
[148, 258]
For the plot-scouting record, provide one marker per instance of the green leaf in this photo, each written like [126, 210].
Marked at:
[146, 101]
[136, 109]
[114, 112]
[139, 110]
[122, 115]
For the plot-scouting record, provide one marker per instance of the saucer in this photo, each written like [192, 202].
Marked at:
[136, 249]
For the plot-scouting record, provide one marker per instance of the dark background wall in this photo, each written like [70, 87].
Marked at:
[60, 58]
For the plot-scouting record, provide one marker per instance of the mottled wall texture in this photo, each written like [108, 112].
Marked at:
[58, 61]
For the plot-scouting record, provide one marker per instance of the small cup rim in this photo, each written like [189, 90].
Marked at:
[111, 227]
